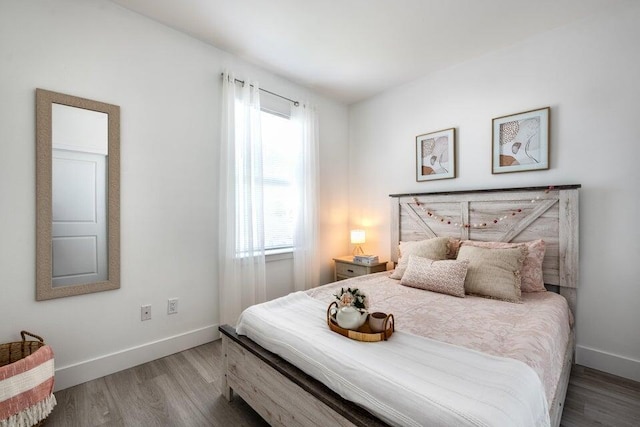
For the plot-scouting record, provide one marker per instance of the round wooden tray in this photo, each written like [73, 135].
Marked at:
[363, 333]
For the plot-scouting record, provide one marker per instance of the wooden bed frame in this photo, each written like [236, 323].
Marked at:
[285, 396]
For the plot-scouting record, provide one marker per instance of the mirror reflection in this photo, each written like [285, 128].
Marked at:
[79, 217]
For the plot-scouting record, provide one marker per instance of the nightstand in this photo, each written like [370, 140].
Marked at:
[346, 268]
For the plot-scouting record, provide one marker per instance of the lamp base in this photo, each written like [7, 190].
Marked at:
[358, 250]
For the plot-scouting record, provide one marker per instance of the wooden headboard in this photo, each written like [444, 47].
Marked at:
[503, 215]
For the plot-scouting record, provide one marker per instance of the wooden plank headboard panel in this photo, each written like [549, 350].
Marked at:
[522, 214]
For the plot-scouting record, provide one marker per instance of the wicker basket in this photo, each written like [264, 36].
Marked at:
[14, 351]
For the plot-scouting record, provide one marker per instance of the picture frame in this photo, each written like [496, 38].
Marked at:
[436, 155]
[520, 142]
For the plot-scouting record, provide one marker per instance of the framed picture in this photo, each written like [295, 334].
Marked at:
[521, 142]
[436, 155]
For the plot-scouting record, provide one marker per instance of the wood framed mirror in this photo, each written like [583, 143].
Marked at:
[77, 195]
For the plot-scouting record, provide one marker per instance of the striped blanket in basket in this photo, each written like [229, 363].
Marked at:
[26, 389]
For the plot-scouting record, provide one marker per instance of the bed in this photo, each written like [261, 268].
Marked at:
[285, 395]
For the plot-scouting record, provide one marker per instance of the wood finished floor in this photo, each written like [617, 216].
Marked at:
[181, 390]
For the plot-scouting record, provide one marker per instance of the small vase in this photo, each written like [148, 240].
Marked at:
[350, 317]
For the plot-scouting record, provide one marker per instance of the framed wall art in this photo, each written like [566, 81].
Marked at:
[435, 155]
[521, 141]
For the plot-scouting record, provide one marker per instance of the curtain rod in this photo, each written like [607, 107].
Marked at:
[296, 103]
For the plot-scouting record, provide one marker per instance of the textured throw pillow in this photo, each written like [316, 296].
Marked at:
[531, 272]
[445, 277]
[435, 249]
[493, 273]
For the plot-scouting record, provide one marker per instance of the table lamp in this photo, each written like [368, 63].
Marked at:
[357, 238]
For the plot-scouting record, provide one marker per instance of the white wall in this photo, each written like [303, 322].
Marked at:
[168, 87]
[588, 73]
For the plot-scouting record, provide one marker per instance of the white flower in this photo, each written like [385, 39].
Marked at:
[346, 299]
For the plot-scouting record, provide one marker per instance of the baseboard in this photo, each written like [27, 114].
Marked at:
[607, 362]
[78, 373]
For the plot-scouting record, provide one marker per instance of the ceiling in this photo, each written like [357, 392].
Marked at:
[350, 50]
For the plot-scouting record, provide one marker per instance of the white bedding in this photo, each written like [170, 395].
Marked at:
[535, 332]
[408, 380]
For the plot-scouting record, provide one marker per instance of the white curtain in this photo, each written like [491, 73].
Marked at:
[305, 240]
[241, 232]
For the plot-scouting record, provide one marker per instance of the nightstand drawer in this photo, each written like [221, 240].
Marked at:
[350, 270]
[346, 268]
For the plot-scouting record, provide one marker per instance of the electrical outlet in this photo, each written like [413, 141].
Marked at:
[145, 312]
[172, 306]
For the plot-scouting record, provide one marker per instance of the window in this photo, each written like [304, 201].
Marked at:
[280, 153]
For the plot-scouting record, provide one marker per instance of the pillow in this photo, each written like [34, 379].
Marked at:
[435, 249]
[531, 271]
[445, 277]
[493, 273]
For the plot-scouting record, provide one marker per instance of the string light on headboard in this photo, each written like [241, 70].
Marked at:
[449, 221]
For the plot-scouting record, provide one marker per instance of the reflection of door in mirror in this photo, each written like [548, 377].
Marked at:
[79, 220]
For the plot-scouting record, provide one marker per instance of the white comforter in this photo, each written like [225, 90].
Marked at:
[407, 380]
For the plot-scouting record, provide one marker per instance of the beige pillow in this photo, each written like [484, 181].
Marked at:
[445, 277]
[493, 273]
[531, 271]
[435, 249]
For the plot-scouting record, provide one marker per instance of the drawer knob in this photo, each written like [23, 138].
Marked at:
[350, 271]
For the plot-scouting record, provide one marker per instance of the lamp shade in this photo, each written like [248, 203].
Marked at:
[357, 237]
